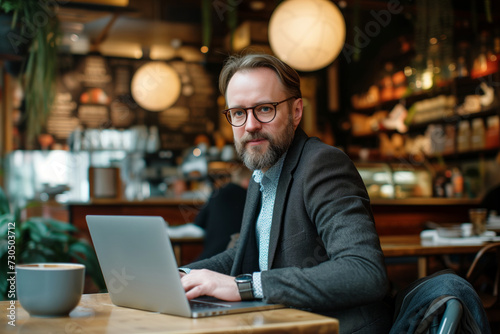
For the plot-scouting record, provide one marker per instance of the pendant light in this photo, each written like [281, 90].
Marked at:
[307, 34]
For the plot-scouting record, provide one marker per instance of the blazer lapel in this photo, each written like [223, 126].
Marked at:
[247, 255]
[285, 181]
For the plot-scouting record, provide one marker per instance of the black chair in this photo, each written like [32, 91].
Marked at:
[484, 275]
[440, 303]
[451, 317]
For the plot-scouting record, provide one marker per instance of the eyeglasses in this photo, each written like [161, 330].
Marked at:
[264, 113]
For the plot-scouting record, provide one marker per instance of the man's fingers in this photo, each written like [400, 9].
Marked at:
[208, 283]
[194, 293]
[192, 285]
[188, 283]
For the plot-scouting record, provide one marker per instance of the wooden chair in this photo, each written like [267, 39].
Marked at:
[484, 275]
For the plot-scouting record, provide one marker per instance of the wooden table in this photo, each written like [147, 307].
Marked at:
[411, 245]
[96, 314]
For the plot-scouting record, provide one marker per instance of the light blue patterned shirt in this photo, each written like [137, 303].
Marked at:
[268, 185]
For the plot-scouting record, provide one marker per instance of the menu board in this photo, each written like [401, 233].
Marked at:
[94, 93]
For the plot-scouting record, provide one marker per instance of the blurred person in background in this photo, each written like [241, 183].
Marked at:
[221, 215]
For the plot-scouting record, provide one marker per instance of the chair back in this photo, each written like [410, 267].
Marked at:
[440, 303]
[451, 317]
[484, 275]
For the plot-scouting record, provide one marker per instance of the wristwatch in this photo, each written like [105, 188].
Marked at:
[245, 286]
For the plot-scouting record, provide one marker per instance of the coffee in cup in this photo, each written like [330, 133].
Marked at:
[49, 289]
[478, 219]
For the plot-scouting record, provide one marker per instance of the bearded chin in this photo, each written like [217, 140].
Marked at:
[255, 159]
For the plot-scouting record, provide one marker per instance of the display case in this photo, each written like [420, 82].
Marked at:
[395, 181]
[58, 175]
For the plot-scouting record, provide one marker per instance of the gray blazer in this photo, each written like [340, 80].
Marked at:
[324, 252]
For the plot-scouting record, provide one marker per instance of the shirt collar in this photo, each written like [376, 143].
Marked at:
[272, 174]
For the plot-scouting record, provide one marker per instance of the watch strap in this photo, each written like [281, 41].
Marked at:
[246, 290]
[245, 286]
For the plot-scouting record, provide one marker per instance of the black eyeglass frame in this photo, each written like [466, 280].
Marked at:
[274, 104]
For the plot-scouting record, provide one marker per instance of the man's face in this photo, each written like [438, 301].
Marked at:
[260, 145]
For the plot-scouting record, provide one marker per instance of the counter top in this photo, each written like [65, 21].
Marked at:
[433, 201]
[145, 202]
[437, 201]
[392, 216]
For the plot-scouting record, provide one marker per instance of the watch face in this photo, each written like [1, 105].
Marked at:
[243, 278]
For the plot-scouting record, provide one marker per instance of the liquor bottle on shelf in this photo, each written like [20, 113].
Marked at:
[449, 139]
[448, 184]
[485, 62]
[463, 137]
[493, 132]
[386, 84]
[478, 134]
[458, 182]
[439, 185]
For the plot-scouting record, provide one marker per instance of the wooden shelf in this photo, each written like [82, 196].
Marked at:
[490, 111]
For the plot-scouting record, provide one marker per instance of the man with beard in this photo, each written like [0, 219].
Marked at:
[308, 238]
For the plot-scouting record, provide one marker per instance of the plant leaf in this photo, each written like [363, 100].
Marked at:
[4, 247]
[59, 238]
[3, 280]
[40, 67]
[32, 256]
[89, 259]
[4, 224]
[4, 203]
[60, 226]
[36, 228]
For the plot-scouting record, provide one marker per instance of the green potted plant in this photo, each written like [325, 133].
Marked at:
[35, 28]
[38, 239]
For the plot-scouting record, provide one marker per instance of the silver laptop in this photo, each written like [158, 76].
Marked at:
[140, 270]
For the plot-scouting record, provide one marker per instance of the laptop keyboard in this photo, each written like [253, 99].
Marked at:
[206, 303]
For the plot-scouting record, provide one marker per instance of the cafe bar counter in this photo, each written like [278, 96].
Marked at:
[96, 314]
[407, 216]
[174, 211]
[392, 216]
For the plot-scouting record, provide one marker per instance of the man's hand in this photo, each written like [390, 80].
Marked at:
[210, 283]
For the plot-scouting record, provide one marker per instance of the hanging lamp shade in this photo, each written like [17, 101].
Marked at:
[307, 34]
[155, 86]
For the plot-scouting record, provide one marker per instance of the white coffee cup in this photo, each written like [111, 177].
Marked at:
[49, 289]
